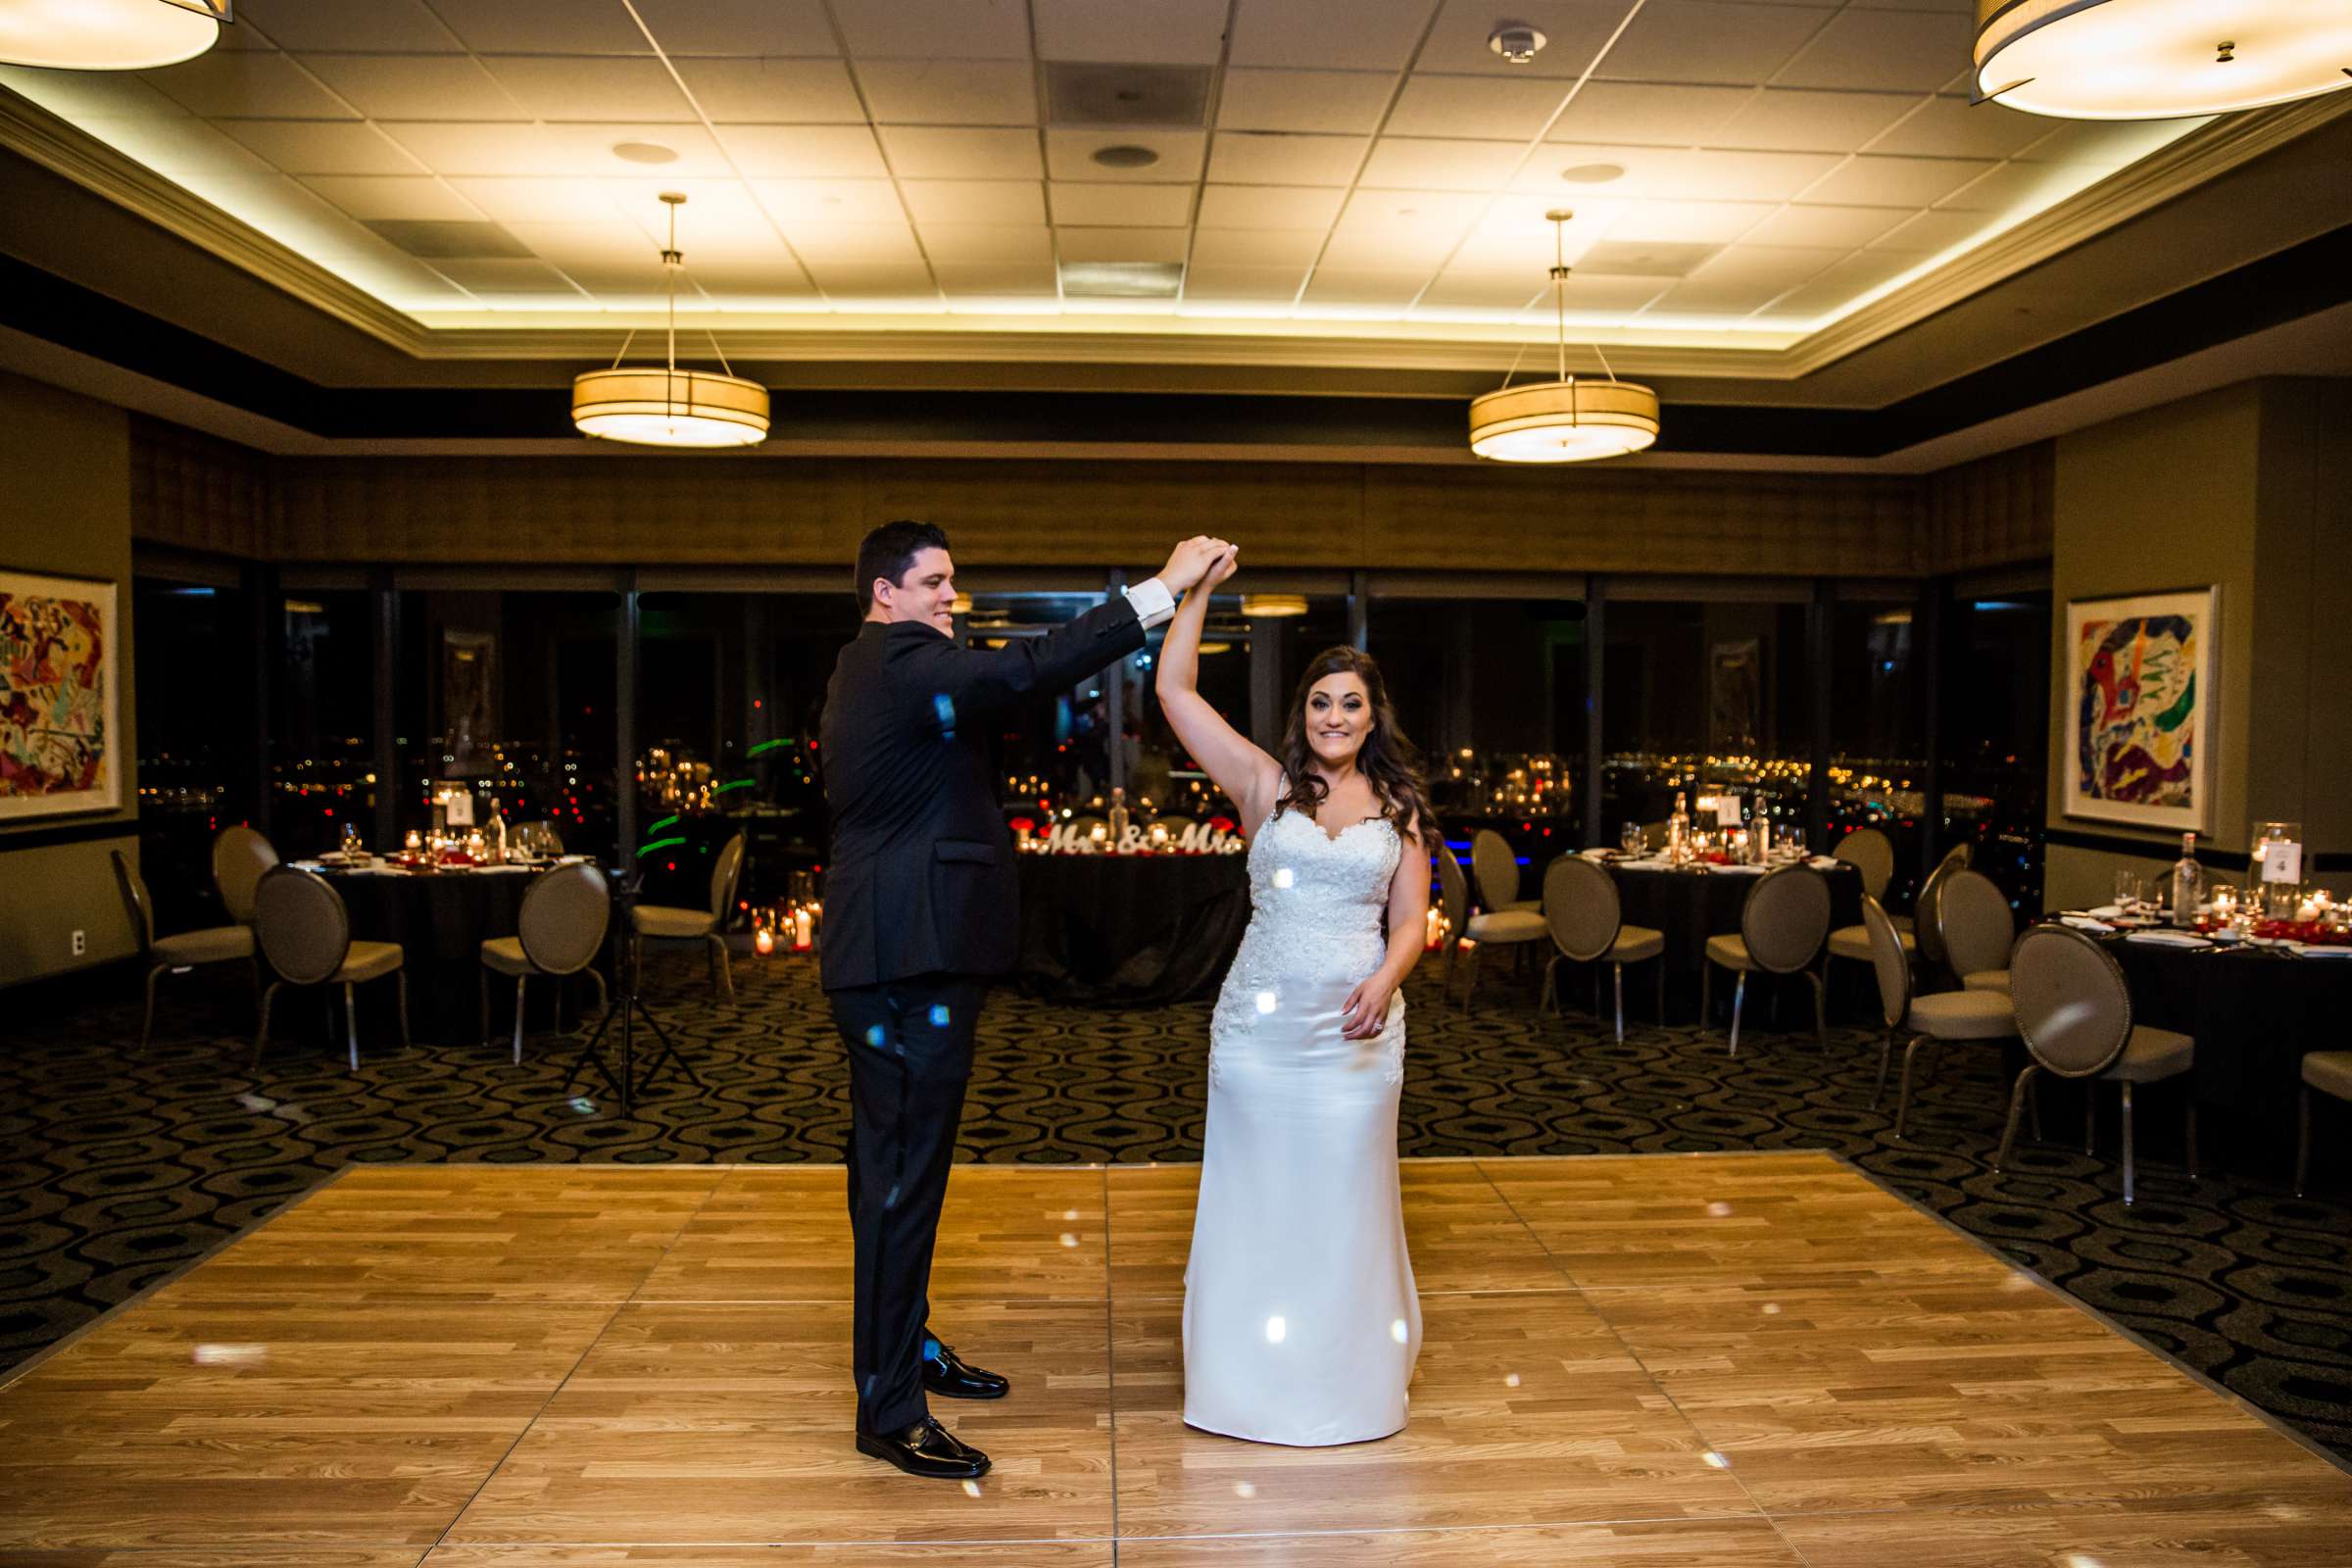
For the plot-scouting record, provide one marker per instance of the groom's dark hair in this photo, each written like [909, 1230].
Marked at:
[890, 551]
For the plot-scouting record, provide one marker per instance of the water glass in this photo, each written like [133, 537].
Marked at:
[1629, 838]
[2130, 889]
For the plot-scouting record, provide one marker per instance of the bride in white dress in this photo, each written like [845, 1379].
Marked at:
[1301, 1323]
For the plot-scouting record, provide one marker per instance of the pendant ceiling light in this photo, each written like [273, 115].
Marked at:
[2159, 59]
[1272, 606]
[662, 406]
[1567, 421]
[107, 34]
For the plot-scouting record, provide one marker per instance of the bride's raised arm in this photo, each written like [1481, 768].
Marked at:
[1248, 775]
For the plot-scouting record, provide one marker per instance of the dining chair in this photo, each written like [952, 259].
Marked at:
[183, 950]
[1496, 866]
[1503, 927]
[305, 932]
[1923, 926]
[1975, 928]
[1587, 921]
[2330, 1073]
[667, 924]
[240, 857]
[1871, 854]
[559, 932]
[1654, 836]
[1783, 924]
[1947, 1018]
[2074, 1012]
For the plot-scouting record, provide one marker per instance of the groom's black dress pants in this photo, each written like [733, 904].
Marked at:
[911, 1054]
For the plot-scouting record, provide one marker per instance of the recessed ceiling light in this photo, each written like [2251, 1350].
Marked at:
[1122, 281]
[1126, 157]
[644, 152]
[1593, 174]
[1516, 41]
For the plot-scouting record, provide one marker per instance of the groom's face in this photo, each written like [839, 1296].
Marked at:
[927, 593]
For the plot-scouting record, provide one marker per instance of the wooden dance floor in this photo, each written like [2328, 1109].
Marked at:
[1668, 1361]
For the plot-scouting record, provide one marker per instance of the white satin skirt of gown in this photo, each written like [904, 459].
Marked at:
[1301, 1321]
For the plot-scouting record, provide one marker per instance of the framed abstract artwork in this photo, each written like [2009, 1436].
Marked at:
[2140, 698]
[61, 748]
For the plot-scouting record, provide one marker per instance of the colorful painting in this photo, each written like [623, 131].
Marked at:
[2140, 686]
[58, 728]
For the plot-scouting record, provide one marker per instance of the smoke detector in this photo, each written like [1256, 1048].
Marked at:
[1515, 41]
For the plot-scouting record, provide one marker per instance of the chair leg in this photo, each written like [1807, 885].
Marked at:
[1902, 1104]
[2128, 1195]
[1738, 1001]
[399, 985]
[1548, 999]
[147, 1029]
[255, 964]
[482, 974]
[2018, 1097]
[261, 1041]
[351, 1021]
[1821, 1010]
[2302, 1139]
[1470, 976]
[520, 982]
[726, 967]
[1618, 971]
[2090, 1119]
[2192, 1130]
[597, 975]
[1877, 1091]
[2033, 1111]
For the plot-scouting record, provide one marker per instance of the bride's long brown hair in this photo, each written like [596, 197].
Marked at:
[1389, 760]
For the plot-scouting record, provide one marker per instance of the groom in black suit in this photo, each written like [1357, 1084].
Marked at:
[921, 912]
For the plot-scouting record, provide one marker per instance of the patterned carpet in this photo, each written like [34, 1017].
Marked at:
[121, 1167]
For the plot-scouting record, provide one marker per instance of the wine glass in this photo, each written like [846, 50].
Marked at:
[1629, 838]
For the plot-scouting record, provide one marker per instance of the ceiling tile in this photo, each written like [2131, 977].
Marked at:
[1646, 113]
[1258, 158]
[823, 244]
[411, 197]
[1790, 120]
[1712, 41]
[515, 202]
[950, 92]
[1331, 34]
[1293, 248]
[405, 26]
[1131, 206]
[614, 244]
[805, 152]
[1121, 244]
[323, 147]
[768, 92]
[1660, 259]
[590, 151]
[559, 26]
[755, 286]
[1928, 233]
[936, 29]
[1742, 280]
[930, 153]
[2012, 186]
[1573, 31]
[416, 86]
[1389, 213]
[1827, 226]
[740, 27]
[1874, 181]
[839, 201]
[2110, 144]
[997, 280]
[1720, 176]
[1951, 128]
[717, 213]
[1607, 294]
[1480, 107]
[1640, 171]
[1402, 163]
[561, 87]
[1268, 207]
[880, 283]
[1517, 231]
[1838, 283]
[507, 278]
[996, 244]
[1689, 222]
[975, 201]
[1486, 288]
[1378, 288]
[1165, 32]
[1882, 50]
[1070, 154]
[1340, 102]
[1255, 285]
[248, 84]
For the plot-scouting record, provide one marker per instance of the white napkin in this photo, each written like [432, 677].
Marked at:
[2105, 911]
[2170, 939]
[2083, 923]
[1597, 853]
[1742, 870]
[2314, 950]
[1824, 863]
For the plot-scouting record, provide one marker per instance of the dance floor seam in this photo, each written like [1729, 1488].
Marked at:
[1628, 1359]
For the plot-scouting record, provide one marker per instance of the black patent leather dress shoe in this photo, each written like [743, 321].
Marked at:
[927, 1450]
[944, 1374]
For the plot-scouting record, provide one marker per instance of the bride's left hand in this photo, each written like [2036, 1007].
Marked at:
[1365, 1012]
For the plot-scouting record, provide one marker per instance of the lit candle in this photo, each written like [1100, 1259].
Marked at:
[763, 940]
[804, 934]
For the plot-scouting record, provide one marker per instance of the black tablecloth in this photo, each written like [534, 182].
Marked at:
[440, 919]
[1131, 929]
[1690, 906]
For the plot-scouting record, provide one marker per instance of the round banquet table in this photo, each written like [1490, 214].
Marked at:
[440, 919]
[1130, 929]
[1690, 906]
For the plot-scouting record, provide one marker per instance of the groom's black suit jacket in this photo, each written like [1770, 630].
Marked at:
[922, 878]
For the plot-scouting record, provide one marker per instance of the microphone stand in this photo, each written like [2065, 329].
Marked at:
[628, 1005]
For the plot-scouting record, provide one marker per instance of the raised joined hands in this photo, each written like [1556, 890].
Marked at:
[1191, 561]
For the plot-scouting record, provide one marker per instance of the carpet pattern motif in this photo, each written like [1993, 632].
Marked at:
[116, 1168]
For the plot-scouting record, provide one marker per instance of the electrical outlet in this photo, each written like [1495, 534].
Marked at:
[81, 943]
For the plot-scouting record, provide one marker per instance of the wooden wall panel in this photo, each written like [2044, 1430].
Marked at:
[1994, 512]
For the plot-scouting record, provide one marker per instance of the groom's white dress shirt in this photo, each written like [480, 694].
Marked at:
[1153, 604]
